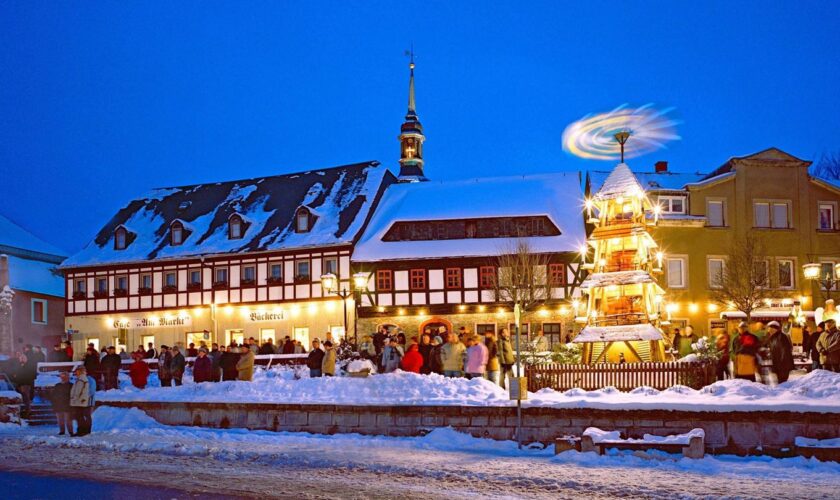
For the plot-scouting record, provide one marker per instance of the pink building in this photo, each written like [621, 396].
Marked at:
[31, 290]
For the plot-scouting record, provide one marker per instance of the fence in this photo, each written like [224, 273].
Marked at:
[624, 377]
[259, 360]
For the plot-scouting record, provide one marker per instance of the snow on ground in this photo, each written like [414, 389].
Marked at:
[817, 391]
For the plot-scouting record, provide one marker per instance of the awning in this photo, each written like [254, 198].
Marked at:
[618, 333]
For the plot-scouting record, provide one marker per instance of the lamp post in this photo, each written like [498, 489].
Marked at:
[331, 284]
[827, 281]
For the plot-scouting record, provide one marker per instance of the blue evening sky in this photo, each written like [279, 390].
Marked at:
[100, 101]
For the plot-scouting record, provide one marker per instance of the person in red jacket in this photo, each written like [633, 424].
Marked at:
[139, 372]
[203, 367]
[413, 360]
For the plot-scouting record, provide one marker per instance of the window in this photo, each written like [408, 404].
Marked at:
[101, 285]
[235, 227]
[383, 280]
[557, 274]
[122, 282]
[784, 268]
[81, 286]
[676, 272]
[302, 333]
[195, 277]
[771, 214]
[716, 268]
[761, 270]
[487, 227]
[487, 276]
[481, 329]
[249, 275]
[715, 213]
[302, 270]
[176, 233]
[120, 238]
[170, 280]
[275, 272]
[825, 216]
[417, 279]
[146, 281]
[453, 277]
[672, 204]
[826, 272]
[554, 333]
[331, 265]
[302, 221]
[39, 311]
[221, 275]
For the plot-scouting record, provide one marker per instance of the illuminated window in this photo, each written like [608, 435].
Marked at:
[557, 274]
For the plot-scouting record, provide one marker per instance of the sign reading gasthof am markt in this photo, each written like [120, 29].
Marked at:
[152, 322]
[267, 316]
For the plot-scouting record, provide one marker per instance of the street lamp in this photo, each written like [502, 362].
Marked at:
[827, 281]
[331, 284]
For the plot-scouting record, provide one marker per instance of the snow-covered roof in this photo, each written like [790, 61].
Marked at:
[650, 181]
[557, 196]
[616, 278]
[13, 236]
[620, 182]
[341, 197]
[618, 333]
[35, 276]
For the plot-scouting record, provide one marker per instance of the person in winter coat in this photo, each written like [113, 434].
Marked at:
[742, 350]
[267, 347]
[139, 372]
[391, 356]
[722, 345]
[683, 341]
[23, 375]
[165, 366]
[227, 363]
[202, 367]
[328, 361]
[781, 351]
[814, 345]
[151, 352]
[288, 346]
[111, 364]
[507, 357]
[435, 363]
[245, 366]
[192, 351]
[380, 339]
[178, 365]
[215, 356]
[60, 399]
[828, 346]
[59, 355]
[68, 349]
[413, 360]
[452, 356]
[477, 358]
[80, 402]
[493, 365]
[425, 350]
[92, 365]
[299, 349]
[315, 359]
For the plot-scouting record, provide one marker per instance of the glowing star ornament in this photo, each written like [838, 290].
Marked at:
[604, 136]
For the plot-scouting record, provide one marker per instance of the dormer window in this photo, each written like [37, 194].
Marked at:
[303, 221]
[176, 233]
[120, 238]
[236, 227]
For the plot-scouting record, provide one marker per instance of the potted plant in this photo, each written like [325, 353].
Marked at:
[193, 287]
[217, 285]
[120, 292]
[100, 294]
[302, 278]
[144, 290]
[249, 282]
[274, 280]
[170, 288]
[79, 295]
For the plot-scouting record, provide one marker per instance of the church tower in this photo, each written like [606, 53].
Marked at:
[411, 138]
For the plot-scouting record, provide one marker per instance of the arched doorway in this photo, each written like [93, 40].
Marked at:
[433, 326]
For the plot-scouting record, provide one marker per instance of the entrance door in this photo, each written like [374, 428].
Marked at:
[235, 335]
[436, 326]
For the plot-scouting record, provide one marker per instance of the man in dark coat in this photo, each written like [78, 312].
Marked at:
[177, 365]
[215, 356]
[23, 375]
[151, 352]
[266, 348]
[164, 366]
[781, 351]
[425, 349]
[227, 363]
[379, 339]
[288, 346]
[59, 355]
[192, 351]
[203, 367]
[315, 359]
[92, 365]
[111, 364]
[60, 399]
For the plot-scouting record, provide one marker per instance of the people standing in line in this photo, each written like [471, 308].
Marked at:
[202, 367]
[452, 356]
[722, 345]
[507, 357]
[60, 400]
[742, 351]
[435, 362]
[493, 365]
[92, 365]
[139, 371]
[245, 365]
[315, 359]
[541, 342]
[227, 363]
[780, 348]
[111, 365]
[23, 375]
[328, 361]
[425, 351]
[413, 360]
[164, 366]
[815, 346]
[178, 365]
[477, 358]
[151, 352]
[391, 356]
[80, 400]
[215, 356]
[828, 346]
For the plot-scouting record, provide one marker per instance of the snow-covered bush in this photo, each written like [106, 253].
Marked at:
[705, 350]
[567, 354]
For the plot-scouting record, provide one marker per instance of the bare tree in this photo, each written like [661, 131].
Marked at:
[828, 167]
[744, 280]
[523, 277]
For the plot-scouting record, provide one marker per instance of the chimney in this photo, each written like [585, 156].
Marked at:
[661, 166]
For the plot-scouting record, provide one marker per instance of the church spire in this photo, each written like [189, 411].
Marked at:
[411, 136]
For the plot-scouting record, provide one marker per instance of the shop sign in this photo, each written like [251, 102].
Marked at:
[267, 316]
[152, 322]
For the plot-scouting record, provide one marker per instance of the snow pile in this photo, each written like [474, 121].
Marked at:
[110, 419]
[601, 436]
[804, 442]
[360, 365]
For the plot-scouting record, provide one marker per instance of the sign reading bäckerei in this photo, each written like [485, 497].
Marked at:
[267, 316]
[153, 321]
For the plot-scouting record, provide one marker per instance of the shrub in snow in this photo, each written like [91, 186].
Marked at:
[704, 351]
[567, 354]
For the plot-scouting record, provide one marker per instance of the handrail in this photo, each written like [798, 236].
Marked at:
[71, 365]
